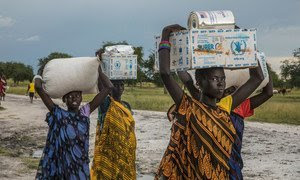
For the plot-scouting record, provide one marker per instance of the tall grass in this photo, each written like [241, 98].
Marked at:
[280, 109]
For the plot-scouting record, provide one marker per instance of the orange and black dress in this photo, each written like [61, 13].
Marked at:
[200, 144]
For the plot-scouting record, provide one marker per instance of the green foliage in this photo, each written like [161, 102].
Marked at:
[279, 109]
[45, 60]
[17, 71]
[152, 76]
[290, 72]
[276, 81]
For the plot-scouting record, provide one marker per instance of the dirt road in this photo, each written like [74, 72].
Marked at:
[270, 151]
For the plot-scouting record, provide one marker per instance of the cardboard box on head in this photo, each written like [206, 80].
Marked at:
[119, 66]
[201, 48]
[210, 41]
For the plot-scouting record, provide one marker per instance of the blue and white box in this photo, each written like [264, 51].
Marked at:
[119, 66]
[179, 53]
[231, 48]
[205, 48]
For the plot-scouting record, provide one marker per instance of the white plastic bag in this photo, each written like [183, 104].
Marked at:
[239, 77]
[119, 50]
[62, 76]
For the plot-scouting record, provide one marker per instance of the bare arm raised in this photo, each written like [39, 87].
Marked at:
[104, 86]
[187, 80]
[164, 66]
[256, 77]
[44, 96]
[266, 94]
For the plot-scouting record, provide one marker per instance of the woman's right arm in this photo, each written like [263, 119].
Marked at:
[187, 80]
[44, 96]
[99, 55]
[105, 86]
[261, 98]
[164, 66]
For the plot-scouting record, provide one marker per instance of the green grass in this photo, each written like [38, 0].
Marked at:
[279, 109]
[30, 163]
[149, 98]
[9, 152]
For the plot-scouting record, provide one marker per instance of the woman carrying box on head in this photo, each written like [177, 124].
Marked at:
[65, 155]
[237, 115]
[115, 144]
[202, 134]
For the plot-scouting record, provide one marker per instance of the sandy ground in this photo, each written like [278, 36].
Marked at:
[270, 151]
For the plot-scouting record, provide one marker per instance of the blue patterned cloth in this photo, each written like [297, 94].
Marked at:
[65, 155]
[236, 161]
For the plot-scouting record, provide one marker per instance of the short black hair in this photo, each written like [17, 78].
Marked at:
[64, 96]
[202, 73]
[118, 81]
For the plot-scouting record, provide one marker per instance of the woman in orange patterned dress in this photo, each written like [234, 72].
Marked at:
[202, 133]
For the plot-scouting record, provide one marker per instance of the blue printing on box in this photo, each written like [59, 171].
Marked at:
[208, 66]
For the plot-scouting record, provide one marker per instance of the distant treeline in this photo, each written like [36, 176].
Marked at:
[290, 70]
[16, 71]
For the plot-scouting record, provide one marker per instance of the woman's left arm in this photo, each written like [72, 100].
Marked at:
[266, 94]
[256, 77]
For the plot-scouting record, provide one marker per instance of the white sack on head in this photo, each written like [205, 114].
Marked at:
[238, 77]
[62, 76]
[119, 50]
[211, 20]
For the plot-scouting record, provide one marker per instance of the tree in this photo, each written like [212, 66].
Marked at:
[45, 60]
[276, 81]
[151, 75]
[17, 71]
[290, 72]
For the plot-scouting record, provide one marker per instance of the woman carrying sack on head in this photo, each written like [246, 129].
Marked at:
[65, 155]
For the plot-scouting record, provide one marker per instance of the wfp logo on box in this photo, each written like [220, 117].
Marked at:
[117, 65]
[238, 47]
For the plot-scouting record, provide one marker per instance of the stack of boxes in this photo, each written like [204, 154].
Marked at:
[205, 47]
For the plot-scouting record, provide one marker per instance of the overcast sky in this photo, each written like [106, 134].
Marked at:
[31, 29]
